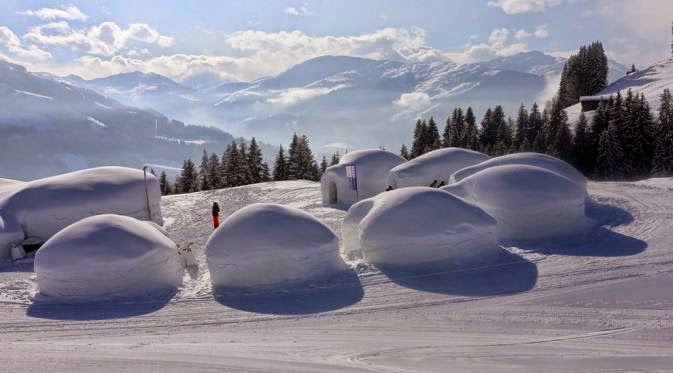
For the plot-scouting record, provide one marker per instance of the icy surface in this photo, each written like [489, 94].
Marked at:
[372, 167]
[270, 245]
[418, 227]
[435, 165]
[40, 208]
[105, 257]
[531, 159]
[530, 203]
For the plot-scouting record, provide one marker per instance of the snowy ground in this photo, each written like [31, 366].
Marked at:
[604, 306]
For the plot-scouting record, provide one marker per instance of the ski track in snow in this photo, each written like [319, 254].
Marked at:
[602, 306]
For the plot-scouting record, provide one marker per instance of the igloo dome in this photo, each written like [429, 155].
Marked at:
[435, 165]
[418, 226]
[108, 256]
[531, 159]
[372, 167]
[530, 203]
[266, 244]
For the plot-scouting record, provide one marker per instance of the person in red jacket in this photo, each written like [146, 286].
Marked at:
[216, 215]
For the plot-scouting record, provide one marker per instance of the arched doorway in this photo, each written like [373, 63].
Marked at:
[333, 199]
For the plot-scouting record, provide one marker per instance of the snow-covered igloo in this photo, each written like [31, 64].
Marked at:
[8, 186]
[435, 165]
[530, 203]
[418, 226]
[372, 167]
[39, 209]
[267, 245]
[531, 159]
[108, 256]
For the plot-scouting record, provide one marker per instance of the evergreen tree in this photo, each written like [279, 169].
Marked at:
[213, 172]
[535, 124]
[188, 180]
[662, 163]
[244, 168]
[294, 161]
[432, 140]
[335, 159]
[404, 153]
[302, 165]
[583, 155]
[618, 120]
[257, 168]
[520, 130]
[164, 184]
[471, 140]
[454, 132]
[323, 165]
[584, 74]
[638, 135]
[608, 163]
[235, 170]
[280, 171]
[418, 145]
[203, 182]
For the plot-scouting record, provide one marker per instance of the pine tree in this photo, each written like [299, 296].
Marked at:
[418, 145]
[203, 182]
[404, 153]
[609, 162]
[188, 178]
[164, 184]
[520, 129]
[471, 132]
[432, 140]
[213, 172]
[257, 168]
[582, 146]
[233, 168]
[280, 166]
[535, 124]
[323, 165]
[638, 135]
[662, 162]
[584, 74]
[335, 159]
[618, 120]
[244, 167]
[454, 132]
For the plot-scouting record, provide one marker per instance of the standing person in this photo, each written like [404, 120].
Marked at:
[216, 215]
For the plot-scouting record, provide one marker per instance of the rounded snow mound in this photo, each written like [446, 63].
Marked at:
[531, 159]
[43, 207]
[372, 167]
[266, 244]
[530, 203]
[7, 186]
[108, 256]
[435, 165]
[418, 226]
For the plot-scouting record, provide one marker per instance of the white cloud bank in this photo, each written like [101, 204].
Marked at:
[66, 12]
[524, 6]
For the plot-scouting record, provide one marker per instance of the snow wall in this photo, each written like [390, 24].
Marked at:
[40, 208]
[418, 226]
[372, 168]
[265, 245]
[435, 165]
[530, 203]
[107, 257]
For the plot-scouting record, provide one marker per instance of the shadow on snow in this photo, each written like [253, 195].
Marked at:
[46, 308]
[339, 292]
[507, 274]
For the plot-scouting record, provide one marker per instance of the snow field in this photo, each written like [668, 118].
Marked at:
[39, 209]
[107, 257]
[270, 245]
[435, 165]
[529, 203]
[418, 227]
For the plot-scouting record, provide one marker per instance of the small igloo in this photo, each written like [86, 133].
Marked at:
[436, 165]
[530, 203]
[40, 208]
[372, 167]
[108, 256]
[531, 159]
[269, 245]
[418, 227]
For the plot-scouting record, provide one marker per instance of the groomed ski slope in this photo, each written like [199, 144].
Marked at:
[603, 306]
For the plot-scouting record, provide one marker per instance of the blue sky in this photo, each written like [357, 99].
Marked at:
[243, 40]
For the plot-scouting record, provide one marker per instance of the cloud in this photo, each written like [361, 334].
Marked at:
[522, 34]
[413, 101]
[104, 39]
[14, 45]
[498, 46]
[524, 6]
[298, 11]
[66, 12]
[541, 32]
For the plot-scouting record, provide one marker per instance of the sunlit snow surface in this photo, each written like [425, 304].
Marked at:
[602, 306]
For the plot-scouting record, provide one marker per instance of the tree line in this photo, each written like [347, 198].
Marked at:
[624, 141]
[242, 164]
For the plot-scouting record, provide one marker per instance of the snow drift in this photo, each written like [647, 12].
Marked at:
[435, 165]
[8, 186]
[108, 256]
[531, 159]
[267, 244]
[372, 167]
[530, 203]
[39, 209]
[418, 226]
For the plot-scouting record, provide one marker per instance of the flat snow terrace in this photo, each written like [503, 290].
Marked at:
[603, 306]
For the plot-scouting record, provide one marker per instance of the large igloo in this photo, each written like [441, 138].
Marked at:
[531, 159]
[108, 256]
[270, 245]
[39, 209]
[417, 227]
[372, 167]
[435, 165]
[530, 203]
